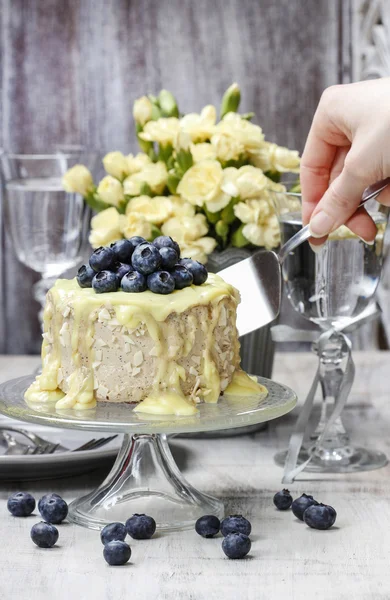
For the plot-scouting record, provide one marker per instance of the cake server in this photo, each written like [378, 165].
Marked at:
[259, 277]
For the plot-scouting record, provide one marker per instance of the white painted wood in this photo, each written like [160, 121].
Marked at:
[288, 560]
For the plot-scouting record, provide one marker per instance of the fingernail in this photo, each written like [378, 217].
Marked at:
[321, 224]
[316, 249]
[368, 242]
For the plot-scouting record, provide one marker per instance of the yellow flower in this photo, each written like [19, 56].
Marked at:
[272, 157]
[135, 224]
[183, 141]
[110, 190]
[116, 164]
[227, 147]
[261, 224]
[181, 208]
[186, 229]
[78, 180]
[163, 131]
[142, 110]
[155, 210]
[201, 184]
[203, 151]
[105, 228]
[137, 163]
[200, 127]
[243, 131]
[248, 181]
[154, 174]
[199, 249]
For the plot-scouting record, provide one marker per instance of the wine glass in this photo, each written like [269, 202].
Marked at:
[47, 225]
[331, 288]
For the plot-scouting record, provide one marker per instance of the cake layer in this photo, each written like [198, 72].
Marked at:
[170, 352]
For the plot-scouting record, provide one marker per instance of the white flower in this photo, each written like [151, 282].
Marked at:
[163, 131]
[142, 110]
[137, 163]
[186, 229]
[243, 131]
[272, 157]
[155, 210]
[78, 180]
[183, 141]
[105, 228]
[181, 208]
[200, 127]
[203, 151]
[199, 249]
[201, 185]
[261, 224]
[110, 190]
[248, 182]
[227, 147]
[135, 224]
[154, 174]
[116, 164]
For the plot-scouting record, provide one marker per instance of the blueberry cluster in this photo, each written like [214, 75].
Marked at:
[53, 510]
[315, 514]
[235, 530]
[135, 265]
[116, 551]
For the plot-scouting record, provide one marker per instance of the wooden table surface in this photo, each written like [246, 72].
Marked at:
[288, 560]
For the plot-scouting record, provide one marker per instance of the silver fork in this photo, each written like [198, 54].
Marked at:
[43, 446]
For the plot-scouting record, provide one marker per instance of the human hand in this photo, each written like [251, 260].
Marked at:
[347, 149]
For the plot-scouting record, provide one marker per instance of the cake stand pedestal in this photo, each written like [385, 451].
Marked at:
[145, 477]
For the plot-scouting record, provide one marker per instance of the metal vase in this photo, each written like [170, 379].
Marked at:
[257, 348]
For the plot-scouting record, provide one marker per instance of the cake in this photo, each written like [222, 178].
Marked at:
[165, 352]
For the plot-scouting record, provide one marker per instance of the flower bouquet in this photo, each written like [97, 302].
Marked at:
[205, 182]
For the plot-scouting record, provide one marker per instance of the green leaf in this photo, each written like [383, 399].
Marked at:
[172, 182]
[156, 232]
[184, 160]
[145, 189]
[238, 238]
[95, 203]
[212, 217]
[227, 214]
[296, 187]
[164, 152]
[156, 113]
[168, 104]
[274, 175]
[230, 100]
[144, 145]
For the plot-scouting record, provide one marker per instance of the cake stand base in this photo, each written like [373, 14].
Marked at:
[351, 460]
[144, 479]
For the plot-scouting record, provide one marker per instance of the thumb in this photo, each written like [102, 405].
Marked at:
[340, 202]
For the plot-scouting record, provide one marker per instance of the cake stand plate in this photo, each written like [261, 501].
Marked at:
[145, 477]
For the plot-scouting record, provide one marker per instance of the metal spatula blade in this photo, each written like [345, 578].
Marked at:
[258, 279]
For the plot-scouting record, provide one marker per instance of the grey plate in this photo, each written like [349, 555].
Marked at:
[229, 412]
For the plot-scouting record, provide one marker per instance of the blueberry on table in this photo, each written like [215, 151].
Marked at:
[182, 276]
[122, 269]
[140, 527]
[169, 258]
[113, 532]
[236, 545]
[320, 516]
[146, 259]
[84, 277]
[53, 508]
[161, 282]
[117, 553]
[104, 282]
[21, 504]
[123, 250]
[283, 500]
[235, 524]
[165, 241]
[102, 259]
[199, 271]
[44, 535]
[301, 504]
[208, 526]
[133, 282]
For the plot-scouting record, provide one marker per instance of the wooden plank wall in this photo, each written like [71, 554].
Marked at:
[71, 69]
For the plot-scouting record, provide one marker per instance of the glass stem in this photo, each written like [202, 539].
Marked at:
[40, 290]
[331, 379]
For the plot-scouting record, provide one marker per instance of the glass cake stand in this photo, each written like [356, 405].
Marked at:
[145, 477]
